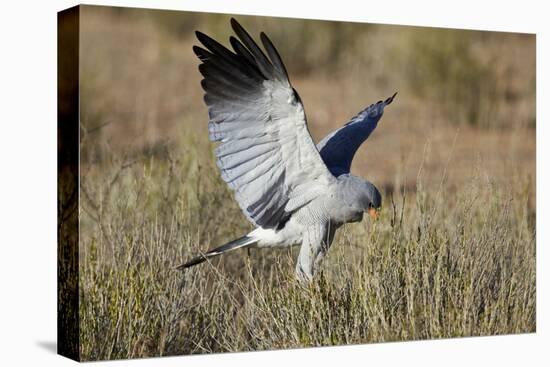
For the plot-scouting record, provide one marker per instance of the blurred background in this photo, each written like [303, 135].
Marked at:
[466, 101]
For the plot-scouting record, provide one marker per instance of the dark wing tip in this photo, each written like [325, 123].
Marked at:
[264, 65]
[390, 100]
[236, 25]
[201, 53]
[274, 56]
[206, 40]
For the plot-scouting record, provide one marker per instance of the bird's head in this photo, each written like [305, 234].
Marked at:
[373, 200]
[361, 195]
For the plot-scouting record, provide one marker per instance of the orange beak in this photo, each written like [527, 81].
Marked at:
[373, 213]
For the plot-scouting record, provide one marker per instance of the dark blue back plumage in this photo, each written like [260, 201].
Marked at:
[338, 148]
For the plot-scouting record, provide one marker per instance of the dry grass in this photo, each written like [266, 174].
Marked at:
[453, 254]
[436, 265]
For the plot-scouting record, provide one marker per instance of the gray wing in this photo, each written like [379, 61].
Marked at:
[266, 153]
[338, 148]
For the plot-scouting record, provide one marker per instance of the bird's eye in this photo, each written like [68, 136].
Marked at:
[371, 206]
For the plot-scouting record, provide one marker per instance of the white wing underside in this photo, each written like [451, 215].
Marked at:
[266, 154]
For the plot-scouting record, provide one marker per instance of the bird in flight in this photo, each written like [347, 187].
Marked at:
[294, 192]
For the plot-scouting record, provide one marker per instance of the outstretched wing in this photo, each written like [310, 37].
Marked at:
[266, 153]
[338, 148]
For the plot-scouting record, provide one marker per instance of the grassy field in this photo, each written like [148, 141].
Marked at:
[452, 255]
[436, 265]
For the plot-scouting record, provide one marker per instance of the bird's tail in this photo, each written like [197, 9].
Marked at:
[230, 246]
